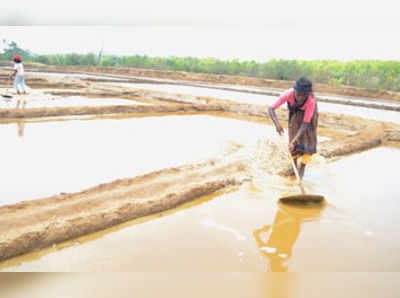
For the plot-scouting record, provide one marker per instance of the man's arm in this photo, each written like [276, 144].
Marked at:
[13, 73]
[272, 115]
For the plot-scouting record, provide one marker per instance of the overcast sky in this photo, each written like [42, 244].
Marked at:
[74, 12]
[250, 29]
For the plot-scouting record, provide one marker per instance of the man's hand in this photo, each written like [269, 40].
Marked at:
[292, 145]
[279, 129]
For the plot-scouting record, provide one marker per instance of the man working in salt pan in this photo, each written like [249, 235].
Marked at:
[19, 80]
[303, 121]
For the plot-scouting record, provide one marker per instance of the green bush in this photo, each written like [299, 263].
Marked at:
[361, 73]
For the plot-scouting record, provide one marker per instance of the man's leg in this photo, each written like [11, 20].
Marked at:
[301, 170]
[16, 84]
[23, 85]
[19, 84]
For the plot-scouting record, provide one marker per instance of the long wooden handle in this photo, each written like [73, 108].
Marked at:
[296, 172]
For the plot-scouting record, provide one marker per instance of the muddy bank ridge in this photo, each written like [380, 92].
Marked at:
[40, 223]
[212, 78]
[46, 81]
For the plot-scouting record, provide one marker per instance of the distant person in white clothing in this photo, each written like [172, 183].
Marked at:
[19, 81]
[18, 75]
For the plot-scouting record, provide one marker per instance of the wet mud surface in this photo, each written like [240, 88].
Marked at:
[32, 225]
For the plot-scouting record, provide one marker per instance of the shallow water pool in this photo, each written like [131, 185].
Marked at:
[64, 155]
[246, 229]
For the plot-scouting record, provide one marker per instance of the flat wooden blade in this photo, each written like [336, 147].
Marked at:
[302, 198]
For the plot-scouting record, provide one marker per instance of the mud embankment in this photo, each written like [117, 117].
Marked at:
[40, 223]
[69, 83]
[39, 82]
[215, 79]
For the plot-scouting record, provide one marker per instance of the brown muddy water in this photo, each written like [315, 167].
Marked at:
[199, 285]
[246, 229]
[43, 158]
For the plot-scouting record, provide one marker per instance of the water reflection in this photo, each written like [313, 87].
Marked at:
[21, 128]
[276, 241]
[21, 103]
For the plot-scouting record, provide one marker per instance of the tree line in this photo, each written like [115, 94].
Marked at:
[377, 74]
